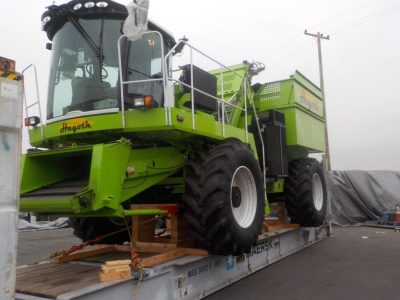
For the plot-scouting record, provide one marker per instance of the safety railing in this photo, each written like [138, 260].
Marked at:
[37, 103]
[221, 102]
[168, 81]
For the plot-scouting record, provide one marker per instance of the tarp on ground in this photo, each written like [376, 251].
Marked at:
[24, 225]
[359, 196]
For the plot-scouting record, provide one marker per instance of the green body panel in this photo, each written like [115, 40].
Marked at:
[144, 124]
[275, 186]
[232, 79]
[42, 168]
[114, 172]
[301, 102]
[304, 130]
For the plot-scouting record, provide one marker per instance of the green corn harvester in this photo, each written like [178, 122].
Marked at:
[123, 127]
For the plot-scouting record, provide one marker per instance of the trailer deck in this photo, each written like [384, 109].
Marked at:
[188, 277]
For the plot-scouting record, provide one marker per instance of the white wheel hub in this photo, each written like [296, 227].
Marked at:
[243, 196]
[317, 192]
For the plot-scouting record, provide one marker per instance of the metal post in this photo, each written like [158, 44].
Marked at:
[191, 87]
[320, 36]
[11, 99]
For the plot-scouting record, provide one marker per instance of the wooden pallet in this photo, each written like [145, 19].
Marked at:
[159, 253]
[144, 227]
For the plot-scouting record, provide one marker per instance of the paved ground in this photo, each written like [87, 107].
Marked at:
[356, 263]
[37, 245]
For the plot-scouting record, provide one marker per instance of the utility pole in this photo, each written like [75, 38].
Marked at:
[320, 36]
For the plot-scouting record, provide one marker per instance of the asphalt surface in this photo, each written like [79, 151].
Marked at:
[356, 263]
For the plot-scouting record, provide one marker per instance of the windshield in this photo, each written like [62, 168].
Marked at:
[78, 80]
[84, 71]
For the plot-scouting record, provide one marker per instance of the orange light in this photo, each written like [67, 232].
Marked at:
[148, 101]
[32, 121]
[27, 122]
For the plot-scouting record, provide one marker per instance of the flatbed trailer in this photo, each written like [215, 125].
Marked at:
[189, 277]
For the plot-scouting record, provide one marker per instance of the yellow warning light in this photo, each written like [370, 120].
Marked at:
[7, 65]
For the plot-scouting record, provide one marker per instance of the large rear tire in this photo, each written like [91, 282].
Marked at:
[305, 192]
[91, 228]
[224, 198]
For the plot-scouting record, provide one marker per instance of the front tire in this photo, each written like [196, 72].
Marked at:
[305, 192]
[224, 198]
[87, 229]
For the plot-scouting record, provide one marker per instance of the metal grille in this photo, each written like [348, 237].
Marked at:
[270, 91]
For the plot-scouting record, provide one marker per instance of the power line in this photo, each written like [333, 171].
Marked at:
[366, 19]
[294, 53]
[283, 45]
[297, 36]
[350, 11]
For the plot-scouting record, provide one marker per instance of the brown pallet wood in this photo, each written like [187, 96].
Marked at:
[170, 255]
[279, 226]
[163, 252]
[143, 228]
[98, 249]
[114, 276]
[49, 280]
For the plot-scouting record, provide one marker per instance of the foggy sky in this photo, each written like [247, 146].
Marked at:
[361, 60]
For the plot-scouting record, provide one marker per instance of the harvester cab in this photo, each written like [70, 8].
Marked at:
[85, 73]
[125, 127]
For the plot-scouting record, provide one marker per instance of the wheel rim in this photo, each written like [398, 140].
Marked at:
[318, 192]
[243, 197]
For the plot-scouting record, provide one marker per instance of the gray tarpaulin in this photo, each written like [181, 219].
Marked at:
[358, 196]
[59, 223]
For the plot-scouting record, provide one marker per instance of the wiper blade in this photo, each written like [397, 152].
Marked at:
[97, 50]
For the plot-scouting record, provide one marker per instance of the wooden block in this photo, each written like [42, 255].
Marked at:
[106, 269]
[112, 263]
[277, 227]
[177, 226]
[115, 275]
[164, 257]
[143, 228]
[142, 247]
[145, 247]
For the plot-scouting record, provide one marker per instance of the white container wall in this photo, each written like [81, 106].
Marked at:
[11, 92]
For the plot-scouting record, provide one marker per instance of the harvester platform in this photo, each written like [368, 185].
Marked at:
[184, 275]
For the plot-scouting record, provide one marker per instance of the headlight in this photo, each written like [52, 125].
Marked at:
[101, 4]
[89, 4]
[146, 101]
[77, 6]
[138, 101]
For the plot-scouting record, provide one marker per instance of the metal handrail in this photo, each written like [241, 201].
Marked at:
[37, 97]
[220, 100]
[168, 105]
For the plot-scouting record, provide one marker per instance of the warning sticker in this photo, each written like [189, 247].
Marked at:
[8, 90]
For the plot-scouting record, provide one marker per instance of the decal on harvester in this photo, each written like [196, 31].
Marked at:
[75, 125]
[308, 100]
